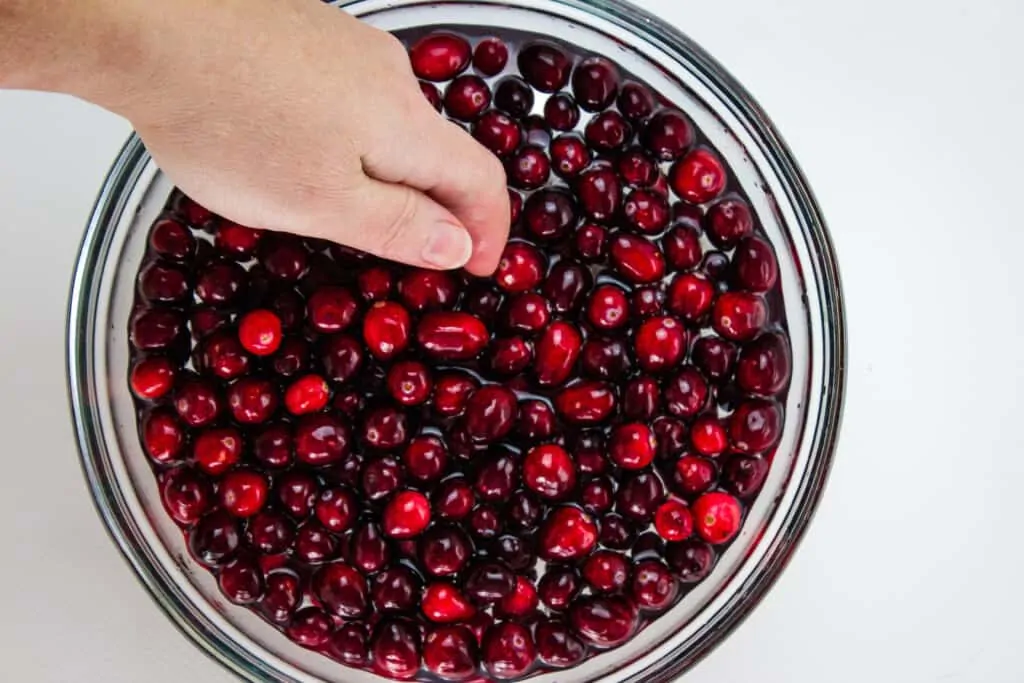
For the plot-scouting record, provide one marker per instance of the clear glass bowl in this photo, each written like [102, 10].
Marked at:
[125, 489]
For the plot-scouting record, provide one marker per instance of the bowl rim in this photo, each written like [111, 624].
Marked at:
[125, 173]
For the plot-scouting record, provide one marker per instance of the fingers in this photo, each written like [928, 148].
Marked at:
[399, 223]
[441, 159]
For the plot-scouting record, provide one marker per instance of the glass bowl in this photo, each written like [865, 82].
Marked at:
[125, 490]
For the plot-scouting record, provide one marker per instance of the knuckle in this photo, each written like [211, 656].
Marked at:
[395, 229]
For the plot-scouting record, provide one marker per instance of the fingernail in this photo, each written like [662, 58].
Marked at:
[449, 246]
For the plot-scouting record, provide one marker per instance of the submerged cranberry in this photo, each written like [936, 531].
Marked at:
[635, 102]
[508, 650]
[450, 653]
[599, 192]
[595, 82]
[604, 621]
[529, 168]
[310, 627]
[764, 365]
[186, 495]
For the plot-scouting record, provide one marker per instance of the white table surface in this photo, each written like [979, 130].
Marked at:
[906, 116]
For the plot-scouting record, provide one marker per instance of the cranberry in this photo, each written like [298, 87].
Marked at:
[694, 475]
[425, 458]
[549, 214]
[395, 590]
[632, 446]
[590, 242]
[698, 177]
[490, 56]
[444, 551]
[510, 356]
[764, 365]
[524, 511]
[152, 378]
[635, 102]
[396, 649]
[739, 316]
[163, 436]
[386, 329]
[641, 398]
[341, 590]
[296, 493]
[587, 402]
[596, 495]
[557, 350]
[336, 509]
[432, 94]
[381, 477]
[204, 321]
[667, 135]
[616, 532]
[451, 391]
[727, 222]
[569, 156]
[281, 595]
[682, 248]
[717, 517]
[484, 522]
[496, 479]
[498, 133]
[406, 515]
[489, 582]
[259, 332]
[163, 283]
[313, 544]
[536, 420]
[270, 533]
[454, 499]
[690, 296]
[321, 440]
[606, 571]
[672, 436]
[566, 285]
[374, 283]
[645, 212]
[515, 206]
[522, 601]
[243, 493]
[638, 169]
[198, 402]
[653, 588]
[608, 307]
[483, 301]
[549, 471]
[686, 393]
[348, 645]
[252, 400]
[527, 313]
[514, 97]
[308, 394]
[561, 112]
[466, 97]
[310, 627]
[409, 383]
[370, 551]
[222, 355]
[241, 582]
[155, 329]
[568, 533]
[636, 259]
[599, 193]
[754, 265]
[745, 474]
[451, 336]
[186, 495]
[172, 240]
[604, 621]
[715, 357]
[220, 284]
[660, 343]
[544, 66]
[557, 646]
[439, 56]
[443, 603]
[214, 540]
[640, 496]
[756, 425]
[559, 587]
[708, 436]
[490, 413]
[595, 82]
[508, 650]
[289, 307]
[423, 290]
[529, 168]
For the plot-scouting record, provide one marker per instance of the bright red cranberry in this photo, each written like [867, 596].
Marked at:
[653, 588]
[754, 266]
[686, 393]
[727, 222]
[187, 496]
[386, 329]
[450, 653]
[604, 621]
[682, 248]
[636, 259]
[409, 383]
[308, 394]
[152, 378]
[508, 650]
[529, 168]
[608, 307]
[694, 475]
[432, 94]
[764, 365]
[163, 283]
[660, 343]
[673, 521]
[406, 515]
[451, 390]
[497, 132]
[756, 425]
[510, 356]
[632, 446]
[544, 66]
[599, 192]
[639, 496]
[739, 316]
[439, 56]
[220, 284]
[396, 649]
[222, 355]
[608, 132]
[341, 590]
[332, 309]
[667, 135]
[252, 400]
[490, 56]
[549, 471]
[595, 83]
[172, 240]
[556, 645]
[443, 603]
[527, 313]
[606, 571]
[590, 242]
[322, 440]
[155, 328]
[690, 296]
[514, 97]
[490, 413]
[217, 450]
[270, 533]
[698, 177]
[567, 534]
[336, 509]
[260, 333]
[522, 601]
[214, 540]
[198, 402]
[647, 301]
[466, 97]
[635, 102]
[708, 436]
[557, 351]
[484, 522]
[163, 436]
[586, 402]
[715, 357]
[745, 474]
[717, 517]
[645, 211]
[451, 336]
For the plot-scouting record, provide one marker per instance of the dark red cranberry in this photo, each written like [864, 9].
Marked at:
[450, 653]
[605, 358]
[349, 645]
[409, 382]
[690, 296]
[508, 650]
[241, 582]
[496, 479]
[396, 649]
[289, 307]
[672, 436]
[727, 222]
[596, 495]
[608, 132]
[549, 471]
[686, 393]
[484, 522]
[425, 458]
[717, 517]
[483, 300]
[454, 499]
[599, 192]
[587, 402]
[754, 266]
[222, 355]
[163, 436]
[490, 56]
[739, 316]
[606, 571]
[524, 511]
[214, 540]
[536, 420]
[764, 365]
[292, 357]
[745, 474]
[313, 544]
[635, 102]
[252, 400]
[557, 350]
[498, 133]
[451, 390]
[489, 582]
[653, 588]
[310, 627]
[205, 320]
[155, 328]
[715, 357]
[639, 496]
[198, 402]
[632, 446]
[667, 135]
[221, 283]
[638, 169]
[595, 83]
[645, 211]
[423, 290]
[296, 492]
[490, 413]
[439, 56]
[566, 285]
[432, 94]
[647, 301]
[549, 214]
[514, 97]
[527, 313]
[341, 357]
[556, 645]
[604, 621]
[386, 428]
[616, 532]
[682, 248]
[236, 240]
[336, 509]
[375, 283]
[636, 259]
[172, 240]
[510, 356]
[608, 307]
[466, 97]
[559, 587]
[536, 131]
[394, 590]
[694, 475]
[163, 283]
[369, 551]
[270, 533]
[380, 478]
[281, 596]
[321, 440]
[529, 168]
[386, 329]
[569, 156]
[717, 267]
[544, 66]
[756, 425]
[561, 112]
[698, 177]
[451, 336]
[568, 533]
[187, 496]
[590, 242]
[341, 590]
[444, 551]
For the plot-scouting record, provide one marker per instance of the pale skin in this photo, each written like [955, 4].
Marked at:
[280, 114]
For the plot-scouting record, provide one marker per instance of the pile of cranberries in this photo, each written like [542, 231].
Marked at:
[428, 474]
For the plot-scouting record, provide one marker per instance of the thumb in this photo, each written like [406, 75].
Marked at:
[398, 223]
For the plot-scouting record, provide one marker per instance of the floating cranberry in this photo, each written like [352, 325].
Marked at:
[717, 517]
[510, 356]
[260, 332]
[172, 240]
[637, 259]
[349, 645]
[270, 533]
[529, 168]
[490, 56]
[653, 588]
[484, 522]
[443, 603]
[370, 551]
[432, 94]
[544, 66]
[396, 649]
[566, 285]
[450, 653]
[155, 329]
[204, 321]
[556, 645]
[756, 425]
[163, 436]
[186, 495]
[690, 296]
[728, 221]
[321, 440]
[409, 383]
[423, 290]
[152, 378]
[198, 402]
[375, 283]
[451, 336]
[336, 509]
[616, 531]
[497, 132]
[508, 650]
[754, 266]
[489, 582]
[386, 329]
[559, 587]
[672, 436]
[381, 477]
[308, 394]
[694, 475]
[667, 135]
[522, 601]
[313, 544]
[220, 284]
[310, 627]
[590, 242]
[698, 177]
[527, 313]
[604, 621]
[342, 590]
[715, 357]
[549, 214]
[645, 212]
[686, 393]
[739, 316]
[708, 436]
[221, 354]
[587, 402]
[639, 496]
[163, 283]
[241, 582]
[682, 248]
[549, 471]
[490, 413]
[406, 515]
[673, 521]
[599, 193]
[635, 102]
[660, 343]
[595, 83]
[451, 390]
[638, 169]
[466, 97]
[764, 365]
[608, 307]
[632, 446]
[568, 533]
[214, 540]
[439, 56]
[745, 474]
[252, 400]
[514, 97]
[561, 112]
[395, 590]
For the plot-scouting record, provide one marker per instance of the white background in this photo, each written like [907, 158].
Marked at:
[907, 116]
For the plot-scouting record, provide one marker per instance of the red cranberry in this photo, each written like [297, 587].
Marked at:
[172, 240]
[560, 112]
[549, 214]
[483, 301]
[381, 477]
[422, 289]
[237, 240]
[590, 242]
[241, 582]
[764, 365]
[308, 394]
[454, 499]
[451, 336]
[289, 307]
[490, 413]
[616, 532]
[510, 356]
[653, 588]
[667, 135]
[155, 329]
[444, 551]
[406, 515]
[673, 521]
[604, 621]
[596, 495]
[348, 645]
[515, 206]
[270, 533]
[754, 266]
[682, 248]
[635, 102]
[321, 440]
[557, 646]
[243, 493]
[336, 509]
[409, 383]
[198, 402]
[296, 493]
[152, 378]
[490, 56]
[281, 596]
[450, 652]
[557, 351]
[559, 587]
[708, 436]
[529, 168]
[549, 471]
[636, 168]
[396, 649]
[186, 495]
[608, 132]
[451, 390]
[163, 283]
[214, 540]
[260, 332]
[310, 628]
[698, 177]
[443, 603]
[566, 285]
[527, 313]
[313, 544]
[524, 511]
[568, 533]
[599, 193]
[536, 420]
[341, 590]
[386, 329]
[608, 307]
[204, 321]
[672, 436]
[489, 582]
[632, 446]
[645, 211]
[639, 496]
[544, 66]
[606, 571]
[694, 475]
[396, 589]
[690, 296]
[425, 458]
[252, 400]
[508, 650]
[498, 133]
[745, 474]
[370, 551]
[715, 357]
[220, 284]
[496, 479]
[637, 259]
[522, 601]
[374, 283]
[660, 343]
[686, 393]
[514, 97]
[163, 436]
[466, 97]
[222, 355]
[739, 316]
[439, 56]
[647, 301]
[717, 517]
[727, 222]
[586, 402]
[595, 82]
[756, 425]
[432, 94]
[605, 358]
[484, 522]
